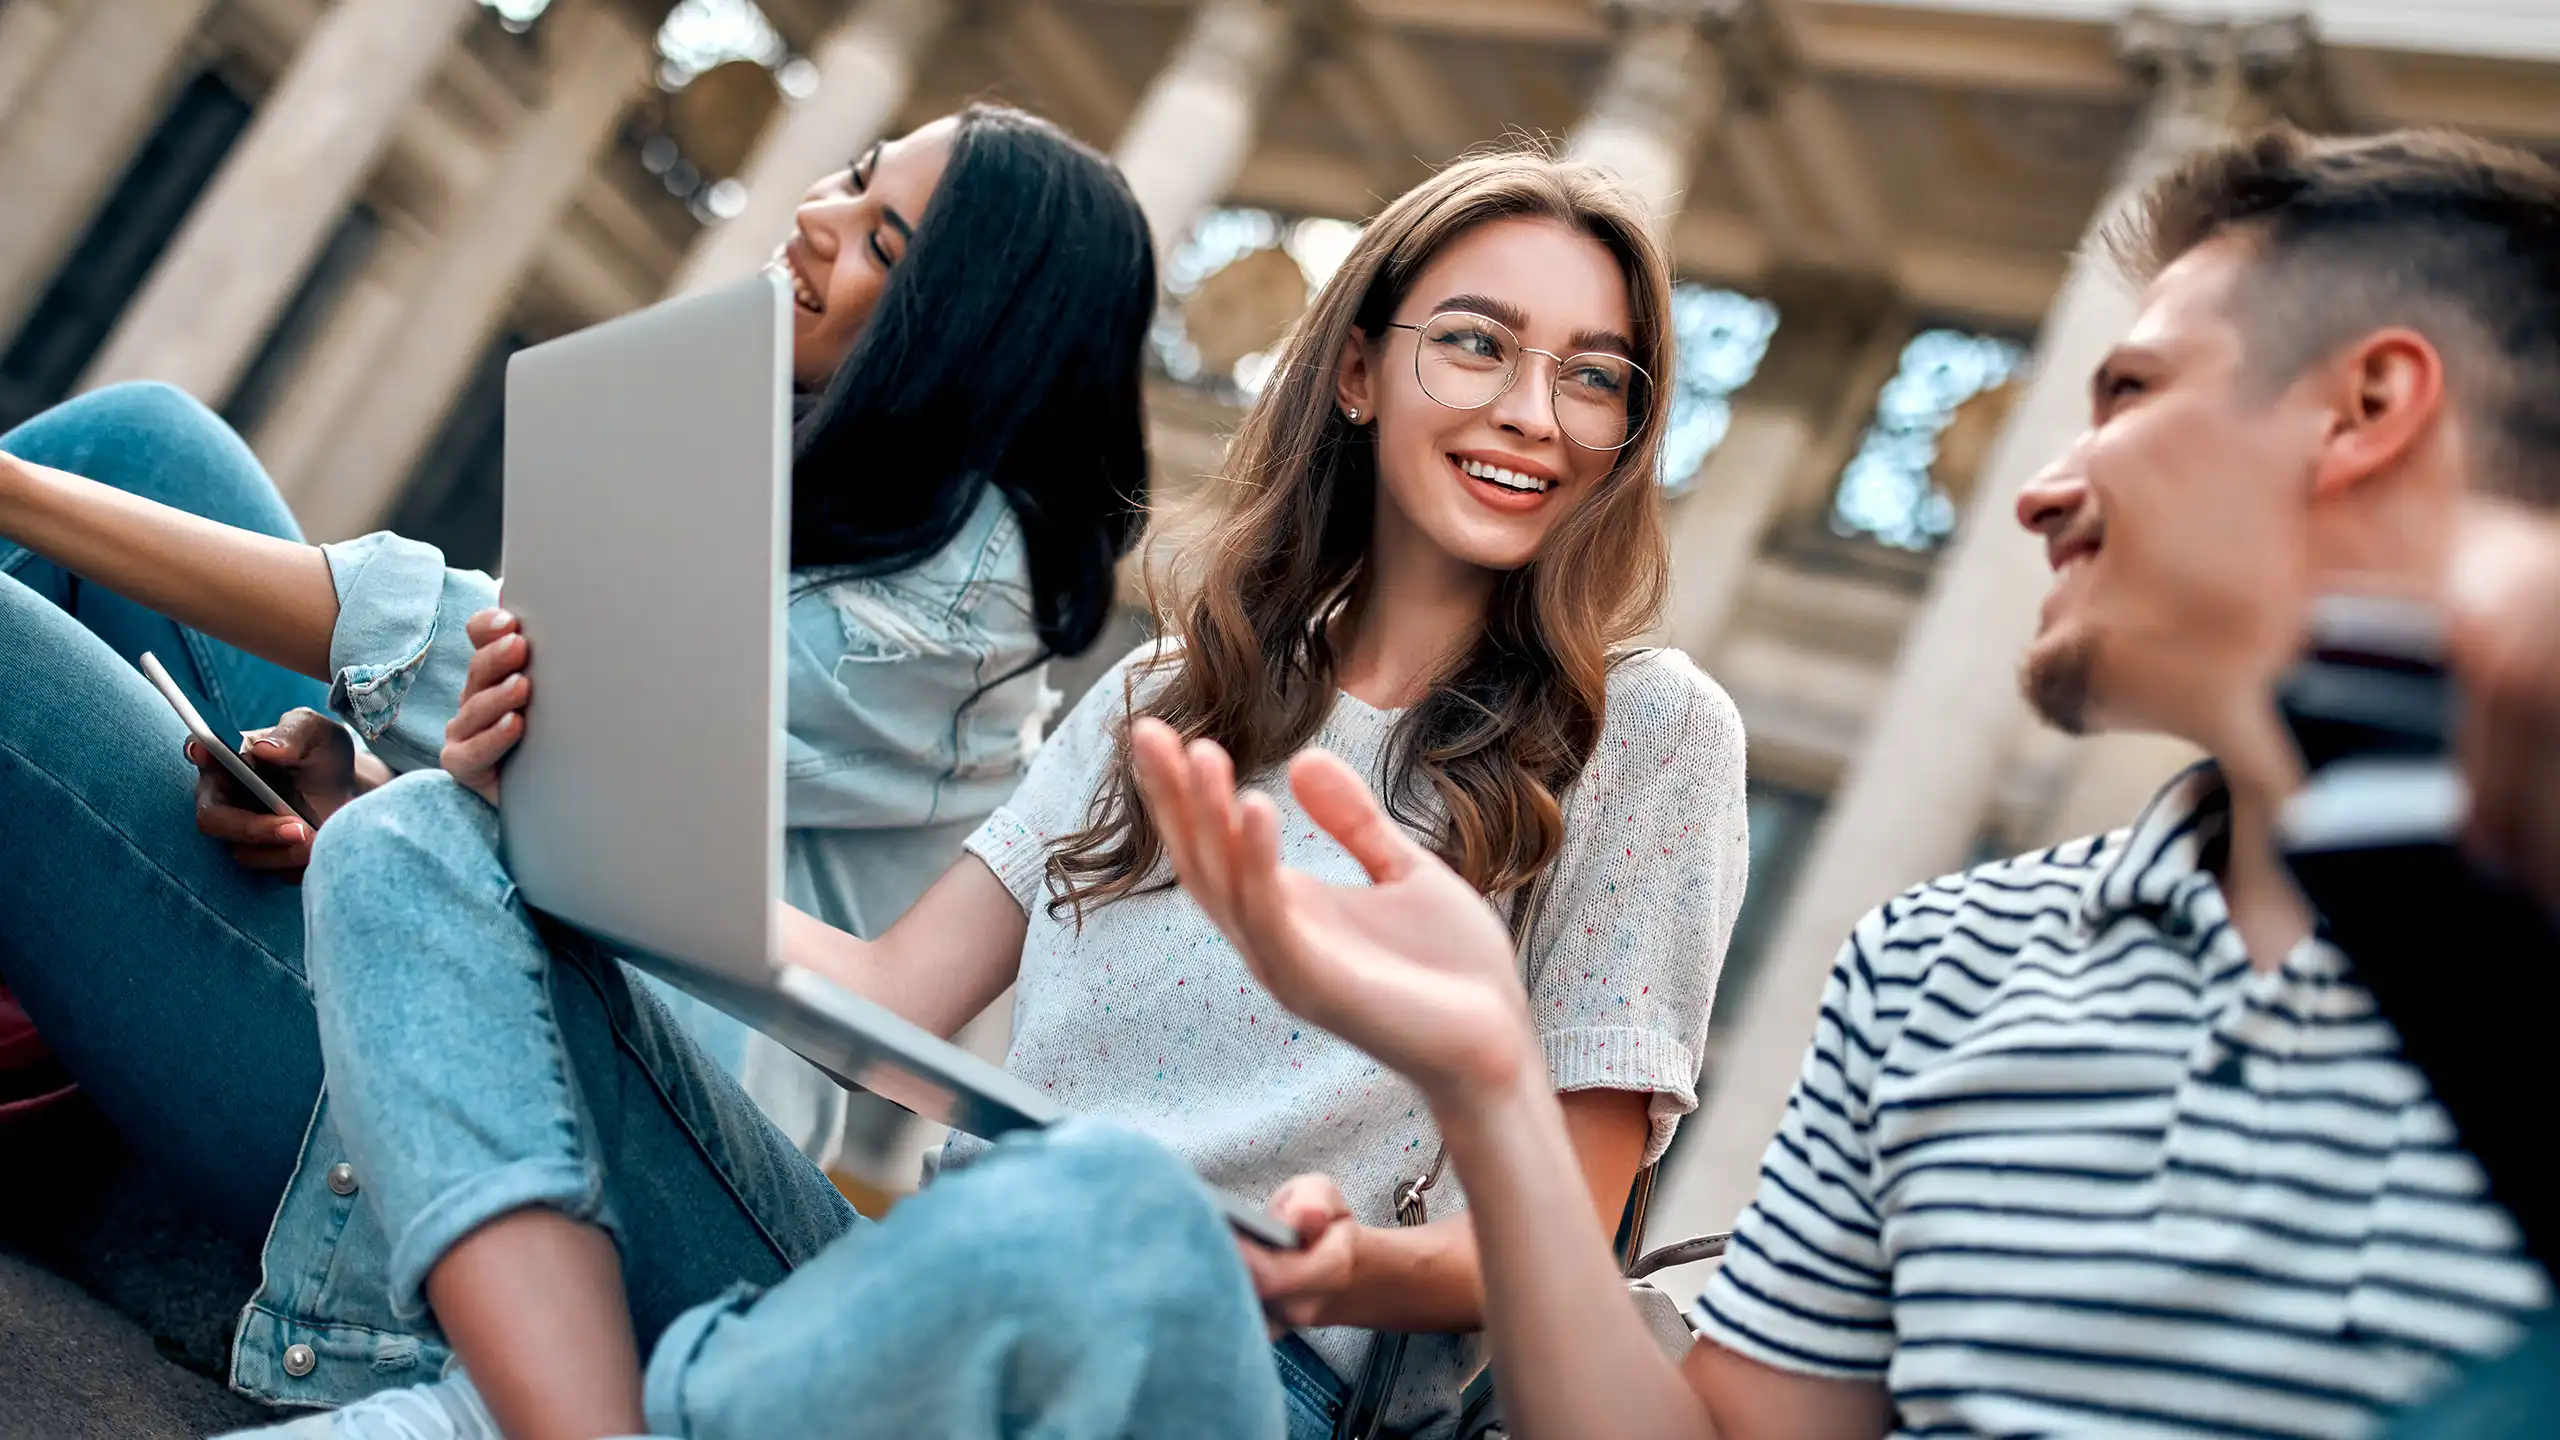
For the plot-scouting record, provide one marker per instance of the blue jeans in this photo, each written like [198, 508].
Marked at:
[172, 983]
[168, 979]
[1076, 1283]
[1071, 1283]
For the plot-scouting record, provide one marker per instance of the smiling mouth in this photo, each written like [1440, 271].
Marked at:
[803, 294]
[1511, 480]
[2077, 556]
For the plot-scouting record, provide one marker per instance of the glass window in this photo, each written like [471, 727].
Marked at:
[700, 35]
[517, 15]
[1888, 493]
[697, 35]
[1219, 239]
[1722, 337]
[696, 38]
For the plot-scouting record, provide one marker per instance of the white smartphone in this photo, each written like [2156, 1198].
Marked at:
[222, 750]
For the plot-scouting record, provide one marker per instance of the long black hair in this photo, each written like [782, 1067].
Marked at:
[1006, 351]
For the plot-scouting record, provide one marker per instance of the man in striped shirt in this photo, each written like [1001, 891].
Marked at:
[2102, 1139]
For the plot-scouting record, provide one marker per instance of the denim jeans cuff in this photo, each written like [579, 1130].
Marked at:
[555, 1184]
[662, 1387]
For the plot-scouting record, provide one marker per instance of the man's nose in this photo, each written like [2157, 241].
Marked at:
[2047, 502]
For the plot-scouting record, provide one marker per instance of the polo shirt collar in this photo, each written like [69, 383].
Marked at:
[2168, 853]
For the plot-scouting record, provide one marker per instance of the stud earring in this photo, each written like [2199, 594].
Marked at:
[1352, 414]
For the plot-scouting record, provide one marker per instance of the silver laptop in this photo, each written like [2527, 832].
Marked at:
[648, 472]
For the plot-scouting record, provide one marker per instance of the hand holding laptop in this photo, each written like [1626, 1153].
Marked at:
[495, 691]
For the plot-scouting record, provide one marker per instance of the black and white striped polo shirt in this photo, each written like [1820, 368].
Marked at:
[2061, 1161]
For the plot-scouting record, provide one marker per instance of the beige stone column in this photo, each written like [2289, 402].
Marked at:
[600, 57]
[296, 437]
[29, 29]
[235, 263]
[1664, 89]
[1195, 126]
[1715, 528]
[1663, 93]
[103, 78]
[1914, 795]
[865, 69]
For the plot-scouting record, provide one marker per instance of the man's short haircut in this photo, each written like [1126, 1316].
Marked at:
[2455, 237]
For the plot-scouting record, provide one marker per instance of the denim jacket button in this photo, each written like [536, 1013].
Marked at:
[342, 1179]
[299, 1361]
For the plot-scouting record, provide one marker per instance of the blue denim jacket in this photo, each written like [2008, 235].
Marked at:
[887, 726]
[903, 732]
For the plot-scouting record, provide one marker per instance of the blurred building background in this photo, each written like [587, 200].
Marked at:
[334, 219]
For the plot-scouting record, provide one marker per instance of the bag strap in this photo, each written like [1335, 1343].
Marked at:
[1630, 1237]
[1679, 1252]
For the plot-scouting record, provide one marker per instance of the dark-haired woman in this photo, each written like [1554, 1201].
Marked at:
[1442, 532]
[971, 304]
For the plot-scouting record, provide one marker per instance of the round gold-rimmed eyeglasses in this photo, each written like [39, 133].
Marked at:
[1467, 361]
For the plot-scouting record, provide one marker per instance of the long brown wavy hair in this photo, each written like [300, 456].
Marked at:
[1261, 594]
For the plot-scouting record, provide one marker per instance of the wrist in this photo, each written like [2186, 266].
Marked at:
[1496, 1103]
[1356, 1276]
[1498, 1069]
[1420, 1278]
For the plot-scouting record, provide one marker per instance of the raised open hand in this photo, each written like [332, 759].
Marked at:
[1414, 968]
[2502, 604]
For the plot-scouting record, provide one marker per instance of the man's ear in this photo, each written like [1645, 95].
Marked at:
[2385, 393]
[1353, 380]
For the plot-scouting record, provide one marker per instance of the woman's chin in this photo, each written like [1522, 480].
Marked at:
[1473, 535]
[1499, 559]
[814, 357]
[1506, 543]
[810, 371]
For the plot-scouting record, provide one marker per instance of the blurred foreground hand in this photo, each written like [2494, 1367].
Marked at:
[2502, 600]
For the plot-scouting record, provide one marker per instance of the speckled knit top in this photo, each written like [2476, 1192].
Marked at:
[1147, 1016]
